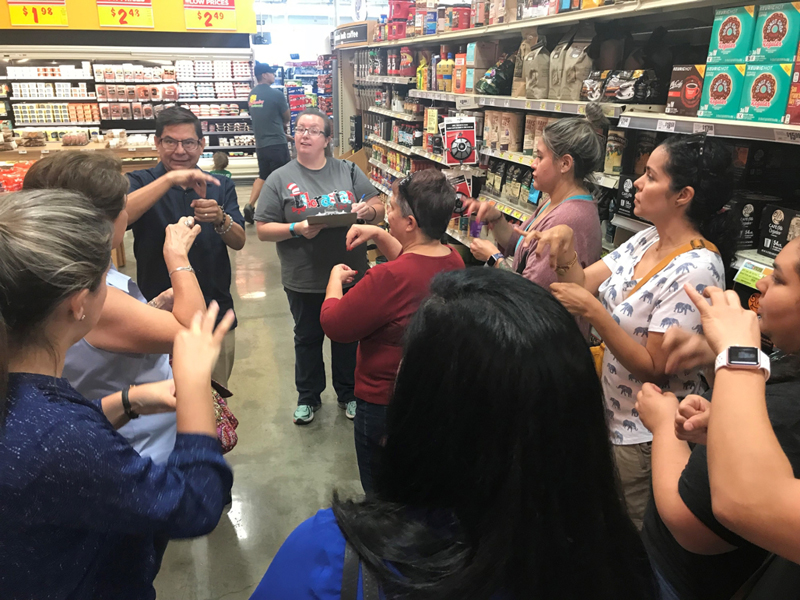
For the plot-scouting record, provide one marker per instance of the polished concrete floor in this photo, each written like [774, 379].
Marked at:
[283, 473]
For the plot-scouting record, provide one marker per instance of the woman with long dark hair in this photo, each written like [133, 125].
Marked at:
[471, 503]
[636, 293]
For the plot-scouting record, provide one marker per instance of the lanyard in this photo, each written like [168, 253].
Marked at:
[582, 197]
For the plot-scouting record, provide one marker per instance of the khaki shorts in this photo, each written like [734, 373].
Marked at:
[633, 463]
[222, 370]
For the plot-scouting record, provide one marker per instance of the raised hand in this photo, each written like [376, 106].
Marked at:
[725, 322]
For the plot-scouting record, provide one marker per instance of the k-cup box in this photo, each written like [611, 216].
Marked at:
[722, 91]
[732, 35]
[777, 33]
[685, 90]
[779, 226]
[766, 92]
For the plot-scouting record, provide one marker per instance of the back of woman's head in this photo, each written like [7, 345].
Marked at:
[579, 138]
[220, 161]
[53, 243]
[429, 197]
[97, 175]
[497, 466]
[705, 166]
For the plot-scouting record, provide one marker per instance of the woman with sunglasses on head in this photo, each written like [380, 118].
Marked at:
[491, 487]
[378, 308]
[313, 184]
[566, 155]
[635, 294]
[82, 515]
[131, 343]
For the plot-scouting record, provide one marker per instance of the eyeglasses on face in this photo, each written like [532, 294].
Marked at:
[313, 132]
[189, 144]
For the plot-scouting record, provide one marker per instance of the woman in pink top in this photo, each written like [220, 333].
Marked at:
[566, 154]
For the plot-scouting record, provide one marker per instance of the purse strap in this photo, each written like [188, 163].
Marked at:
[369, 584]
[687, 247]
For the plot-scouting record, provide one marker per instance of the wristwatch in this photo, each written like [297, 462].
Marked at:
[743, 357]
[493, 259]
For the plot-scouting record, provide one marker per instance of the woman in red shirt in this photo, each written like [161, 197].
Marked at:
[377, 309]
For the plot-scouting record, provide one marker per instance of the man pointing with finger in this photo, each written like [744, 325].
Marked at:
[176, 188]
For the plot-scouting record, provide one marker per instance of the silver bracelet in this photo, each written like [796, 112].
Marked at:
[189, 269]
[219, 229]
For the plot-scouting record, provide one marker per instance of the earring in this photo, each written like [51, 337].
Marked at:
[83, 317]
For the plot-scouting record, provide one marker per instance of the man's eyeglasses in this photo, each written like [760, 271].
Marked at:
[313, 132]
[189, 145]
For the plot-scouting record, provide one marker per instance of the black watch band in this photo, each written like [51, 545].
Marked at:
[126, 403]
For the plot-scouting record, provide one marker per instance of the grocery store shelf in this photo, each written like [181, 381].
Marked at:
[51, 99]
[611, 11]
[394, 146]
[601, 179]
[246, 79]
[381, 188]
[240, 117]
[629, 224]
[512, 210]
[753, 256]
[229, 147]
[214, 100]
[433, 95]
[18, 79]
[85, 124]
[438, 158]
[772, 132]
[460, 237]
[565, 107]
[608, 246]
[396, 115]
[387, 79]
[387, 168]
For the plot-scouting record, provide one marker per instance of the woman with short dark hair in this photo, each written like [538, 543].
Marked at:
[377, 309]
[492, 487]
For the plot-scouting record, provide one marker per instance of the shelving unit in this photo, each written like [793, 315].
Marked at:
[387, 79]
[396, 115]
[381, 188]
[387, 169]
[52, 99]
[234, 148]
[394, 146]
[753, 256]
[504, 206]
[602, 179]
[84, 124]
[629, 224]
[460, 237]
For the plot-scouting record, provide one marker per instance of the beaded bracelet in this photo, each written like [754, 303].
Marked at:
[219, 229]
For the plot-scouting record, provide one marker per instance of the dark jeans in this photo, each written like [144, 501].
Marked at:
[309, 367]
[369, 429]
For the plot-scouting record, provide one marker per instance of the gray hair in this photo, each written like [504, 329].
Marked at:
[579, 138]
[54, 243]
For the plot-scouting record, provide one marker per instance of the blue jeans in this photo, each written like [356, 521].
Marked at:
[309, 367]
[369, 429]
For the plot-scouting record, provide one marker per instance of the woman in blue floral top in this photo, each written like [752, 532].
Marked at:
[82, 515]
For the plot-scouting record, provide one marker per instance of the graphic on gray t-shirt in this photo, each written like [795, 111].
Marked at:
[292, 194]
[267, 106]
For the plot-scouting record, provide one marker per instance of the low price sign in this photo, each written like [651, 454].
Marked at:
[44, 13]
[125, 13]
[210, 15]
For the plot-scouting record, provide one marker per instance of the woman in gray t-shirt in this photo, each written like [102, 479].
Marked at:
[315, 183]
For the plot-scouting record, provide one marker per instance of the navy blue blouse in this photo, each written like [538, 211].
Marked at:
[82, 515]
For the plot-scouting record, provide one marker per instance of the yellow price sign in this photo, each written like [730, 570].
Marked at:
[210, 15]
[47, 14]
[125, 13]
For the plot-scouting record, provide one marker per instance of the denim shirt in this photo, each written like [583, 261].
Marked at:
[82, 515]
[208, 255]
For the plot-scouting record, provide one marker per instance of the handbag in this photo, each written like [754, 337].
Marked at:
[599, 351]
[370, 588]
[226, 421]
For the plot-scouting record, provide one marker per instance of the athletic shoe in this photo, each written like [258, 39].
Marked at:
[249, 213]
[303, 414]
[350, 411]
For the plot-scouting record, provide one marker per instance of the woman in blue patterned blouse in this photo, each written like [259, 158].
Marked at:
[82, 515]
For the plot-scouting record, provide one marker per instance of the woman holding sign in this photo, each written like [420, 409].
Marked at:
[315, 186]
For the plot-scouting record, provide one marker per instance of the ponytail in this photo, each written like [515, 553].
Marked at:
[582, 139]
[705, 166]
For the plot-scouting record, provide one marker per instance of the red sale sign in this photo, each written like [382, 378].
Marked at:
[125, 13]
[207, 15]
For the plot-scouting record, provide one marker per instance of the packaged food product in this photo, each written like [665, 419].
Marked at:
[136, 109]
[765, 93]
[779, 226]
[529, 139]
[593, 86]
[722, 91]
[577, 66]
[510, 132]
[116, 111]
[536, 72]
[130, 94]
[615, 146]
[147, 111]
[641, 87]
[557, 59]
[732, 35]
[155, 92]
[777, 33]
[497, 80]
[105, 112]
[645, 144]
[793, 107]
[685, 90]
[102, 92]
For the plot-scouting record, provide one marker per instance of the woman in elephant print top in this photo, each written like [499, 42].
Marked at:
[685, 185]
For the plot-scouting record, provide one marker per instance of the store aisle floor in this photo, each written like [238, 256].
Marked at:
[283, 473]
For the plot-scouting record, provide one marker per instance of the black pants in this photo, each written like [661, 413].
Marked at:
[271, 158]
[309, 367]
[369, 428]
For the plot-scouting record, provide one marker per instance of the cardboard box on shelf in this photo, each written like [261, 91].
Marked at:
[732, 35]
[748, 207]
[779, 226]
[722, 91]
[469, 83]
[481, 55]
[685, 90]
[777, 33]
[529, 138]
[793, 106]
[765, 93]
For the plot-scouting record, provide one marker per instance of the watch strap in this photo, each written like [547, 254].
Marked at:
[763, 363]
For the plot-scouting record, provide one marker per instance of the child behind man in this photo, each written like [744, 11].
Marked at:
[221, 164]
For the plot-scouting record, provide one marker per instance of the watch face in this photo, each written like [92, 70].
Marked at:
[744, 356]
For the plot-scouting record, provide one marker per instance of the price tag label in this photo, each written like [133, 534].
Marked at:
[23, 151]
[466, 102]
[528, 104]
[542, 105]
[557, 107]
[582, 109]
[131, 149]
[210, 15]
[45, 151]
[787, 137]
[751, 272]
[38, 14]
[491, 101]
[624, 121]
[707, 128]
[517, 215]
[125, 13]
[608, 110]
[506, 103]
[668, 126]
